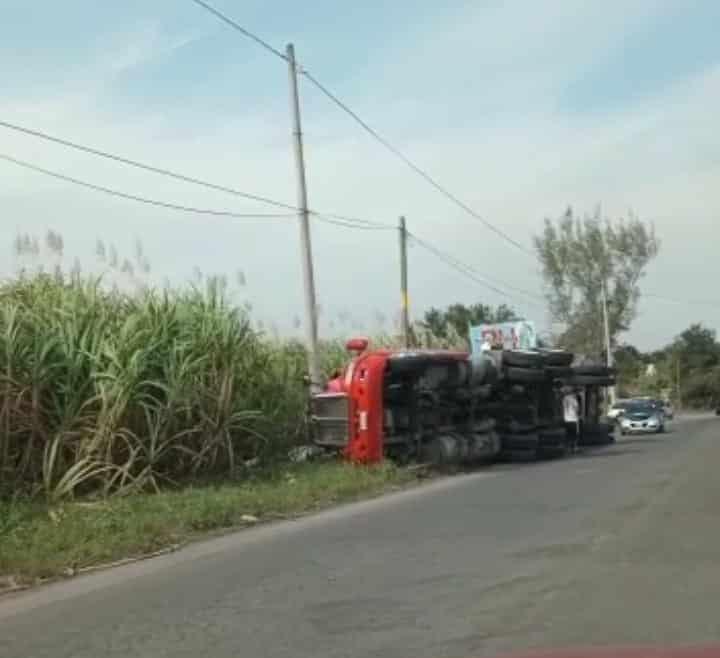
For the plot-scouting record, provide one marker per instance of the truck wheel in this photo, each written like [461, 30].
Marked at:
[591, 380]
[594, 370]
[559, 358]
[552, 443]
[522, 359]
[525, 375]
[559, 372]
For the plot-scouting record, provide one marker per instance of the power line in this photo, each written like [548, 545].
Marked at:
[521, 291]
[390, 147]
[339, 220]
[465, 269]
[139, 199]
[178, 176]
[146, 167]
[226, 19]
[421, 172]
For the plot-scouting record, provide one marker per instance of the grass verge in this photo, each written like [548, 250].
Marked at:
[39, 542]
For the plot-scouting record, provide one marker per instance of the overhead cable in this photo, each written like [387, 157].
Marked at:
[174, 174]
[467, 270]
[371, 131]
[229, 21]
[135, 197]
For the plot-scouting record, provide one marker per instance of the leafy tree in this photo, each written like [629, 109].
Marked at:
[434, 321]
[629, 363]
[697, 348]
[580, 257]
[458, 317]
[692, 360]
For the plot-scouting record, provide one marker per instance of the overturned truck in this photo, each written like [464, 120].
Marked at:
[445, 407]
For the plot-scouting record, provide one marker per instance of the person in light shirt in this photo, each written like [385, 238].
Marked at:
[571, 416]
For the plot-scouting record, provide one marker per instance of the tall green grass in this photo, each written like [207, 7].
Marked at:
[103, 392]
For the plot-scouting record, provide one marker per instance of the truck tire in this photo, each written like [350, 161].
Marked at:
[591, 380]
[597, 434]
[441, 451]
[514, 427]
[557, 357]
[553, 435]
[552, 443]
[559, 372]
[594, 370]
[525, 375]
[522, 359]
[519, 442]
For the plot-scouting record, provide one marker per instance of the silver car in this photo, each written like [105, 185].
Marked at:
[642, 418]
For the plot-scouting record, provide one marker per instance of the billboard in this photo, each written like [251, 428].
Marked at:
[519, 335]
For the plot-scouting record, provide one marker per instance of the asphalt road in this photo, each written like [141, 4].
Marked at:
[615, 545]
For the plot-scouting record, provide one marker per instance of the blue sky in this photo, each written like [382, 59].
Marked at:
[519, 107]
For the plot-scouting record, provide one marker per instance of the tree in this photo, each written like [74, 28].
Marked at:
[581, 256]
[697, 348]
[689, 365]
[630, 366]
[458, 317]
[693, 362]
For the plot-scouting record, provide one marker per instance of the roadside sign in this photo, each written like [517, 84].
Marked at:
[520, 335]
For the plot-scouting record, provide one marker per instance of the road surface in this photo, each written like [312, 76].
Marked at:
[616, 545]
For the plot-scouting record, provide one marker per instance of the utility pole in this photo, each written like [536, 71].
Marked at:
[404, 310]
[677, 378]
[305, 245]
[608, 350]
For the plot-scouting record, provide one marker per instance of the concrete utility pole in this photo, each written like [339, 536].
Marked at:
[404, 310]
[305, 245]
[608, 350]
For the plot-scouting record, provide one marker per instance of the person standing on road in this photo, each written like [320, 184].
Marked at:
[571, 417]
